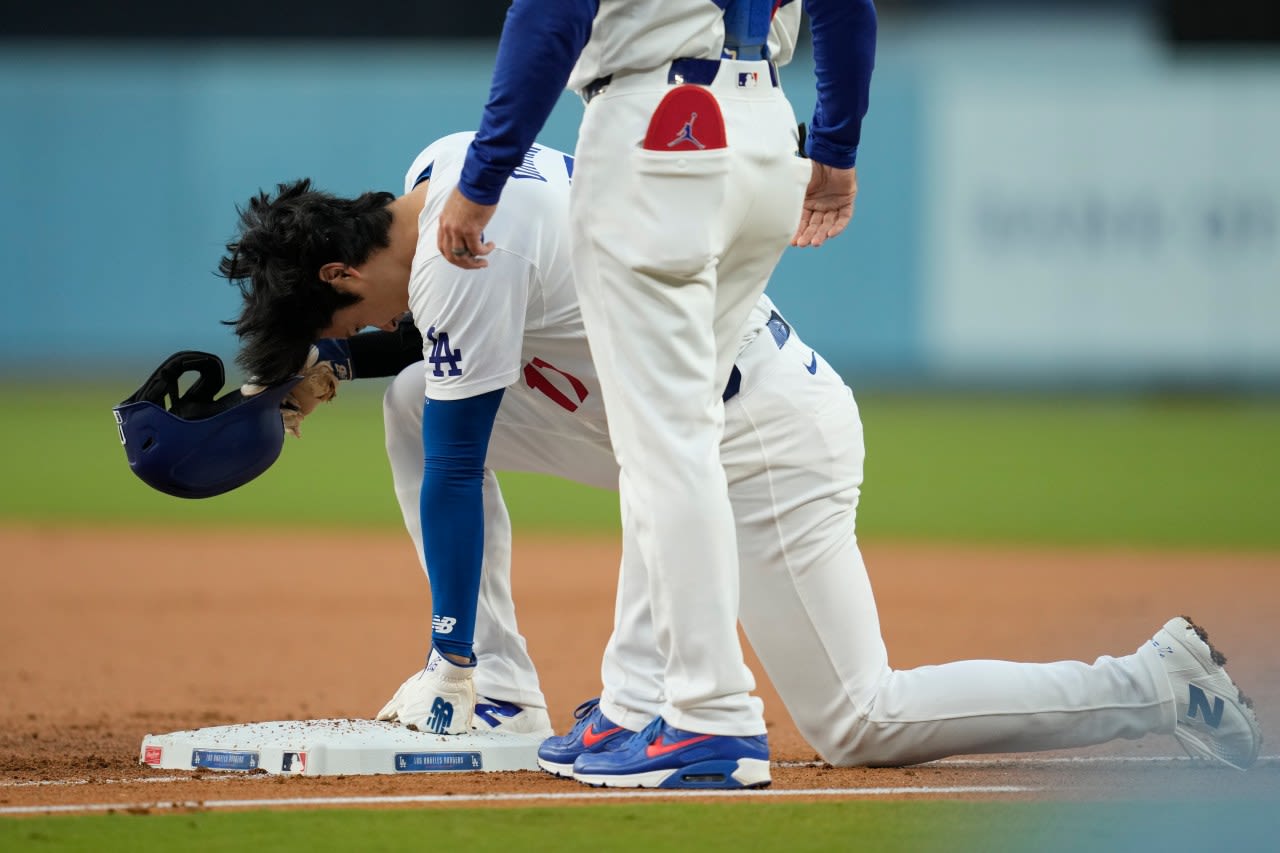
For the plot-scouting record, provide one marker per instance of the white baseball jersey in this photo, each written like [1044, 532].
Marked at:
[518, 320]
[793, 455]
[639, 35]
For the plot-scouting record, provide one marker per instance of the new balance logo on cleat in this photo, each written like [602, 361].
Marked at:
[1199, 703]
[491, 711]
[508, 718]
[1214, 720]
[441, 716]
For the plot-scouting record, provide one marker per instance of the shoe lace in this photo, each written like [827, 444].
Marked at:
[583, 715]
[650, 732]
[584, 709]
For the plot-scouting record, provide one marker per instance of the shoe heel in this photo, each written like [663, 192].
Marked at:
[720, 774]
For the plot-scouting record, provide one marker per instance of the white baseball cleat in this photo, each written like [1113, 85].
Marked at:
[1215, 720]
[499, 717]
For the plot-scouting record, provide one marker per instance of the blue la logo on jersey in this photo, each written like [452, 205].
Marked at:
[442, 353]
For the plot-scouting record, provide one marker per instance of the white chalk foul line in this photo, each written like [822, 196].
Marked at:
[427, 799]
[1033, 763]
[1028, 763]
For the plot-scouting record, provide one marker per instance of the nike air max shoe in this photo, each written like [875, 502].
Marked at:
[1215, 720]
[593, 731]
[663, 756]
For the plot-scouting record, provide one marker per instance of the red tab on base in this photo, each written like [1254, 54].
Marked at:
[687, 119]
[151, 755]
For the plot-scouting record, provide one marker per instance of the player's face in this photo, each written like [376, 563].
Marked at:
[380, 305]
[350, 320]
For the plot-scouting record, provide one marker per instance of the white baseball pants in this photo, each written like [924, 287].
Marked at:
[793, 453]
[670, 251]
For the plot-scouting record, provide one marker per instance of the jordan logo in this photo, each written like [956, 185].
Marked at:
[686, 134]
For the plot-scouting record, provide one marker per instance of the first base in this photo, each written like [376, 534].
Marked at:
[337, 748]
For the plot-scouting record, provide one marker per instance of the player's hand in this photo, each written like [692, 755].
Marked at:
[460, 235]
[328, 361]
[828, 204]
[441, 698]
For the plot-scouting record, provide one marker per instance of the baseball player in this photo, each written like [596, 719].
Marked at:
[792, 450]
[689, 185]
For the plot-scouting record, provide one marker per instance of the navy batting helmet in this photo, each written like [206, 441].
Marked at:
[200, 447]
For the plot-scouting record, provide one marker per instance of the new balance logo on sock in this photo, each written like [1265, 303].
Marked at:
[1199, 703]
[443, 624]
[441, 716]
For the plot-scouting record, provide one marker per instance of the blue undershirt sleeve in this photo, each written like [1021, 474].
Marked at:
[540, 43]
[455, 441]
[844, 52]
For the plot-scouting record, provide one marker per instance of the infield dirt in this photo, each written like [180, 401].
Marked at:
[110, 635]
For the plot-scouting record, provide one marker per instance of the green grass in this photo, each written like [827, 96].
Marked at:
[1144, 472]
[1058, 471]
[65, 463]
[733, 827]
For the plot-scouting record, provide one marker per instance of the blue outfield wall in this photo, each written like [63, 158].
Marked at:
[122, 164]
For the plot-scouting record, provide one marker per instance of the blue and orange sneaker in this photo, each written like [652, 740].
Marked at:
[590, 734]
[663, 756]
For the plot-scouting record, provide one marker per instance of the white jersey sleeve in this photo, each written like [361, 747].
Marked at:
[472, 322]
[489, 328]
[784, 32]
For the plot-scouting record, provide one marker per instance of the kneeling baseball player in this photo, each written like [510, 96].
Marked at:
[495, 373]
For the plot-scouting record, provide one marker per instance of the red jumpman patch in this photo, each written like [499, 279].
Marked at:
[687, 119]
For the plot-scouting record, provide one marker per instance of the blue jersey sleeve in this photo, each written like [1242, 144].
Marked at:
[540, 43]
[455, 441]
[844, 50]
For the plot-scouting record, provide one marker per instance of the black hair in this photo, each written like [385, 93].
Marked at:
[275, 260]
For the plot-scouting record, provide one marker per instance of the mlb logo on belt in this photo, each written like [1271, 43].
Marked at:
[748, 79]
[687, 119]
